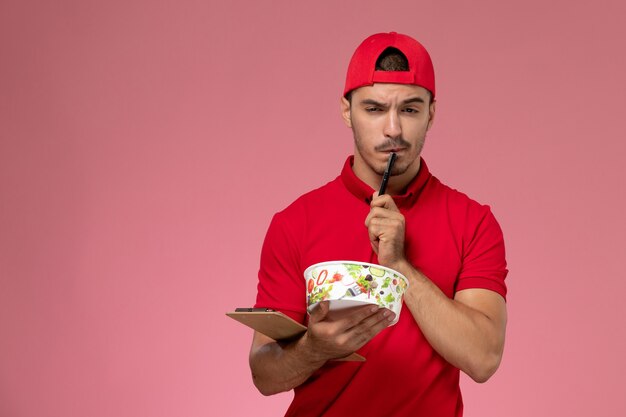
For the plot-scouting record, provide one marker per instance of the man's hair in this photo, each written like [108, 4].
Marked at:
[391, 59]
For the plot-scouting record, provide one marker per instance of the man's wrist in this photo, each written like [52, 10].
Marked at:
[307, 353]
[402, 266]
[412, 274]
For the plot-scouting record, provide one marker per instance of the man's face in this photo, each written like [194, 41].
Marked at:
[388, 118]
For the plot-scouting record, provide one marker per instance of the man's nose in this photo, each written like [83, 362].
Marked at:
[392, 129]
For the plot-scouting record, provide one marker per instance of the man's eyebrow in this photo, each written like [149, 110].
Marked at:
[414, 100]
[372, 102]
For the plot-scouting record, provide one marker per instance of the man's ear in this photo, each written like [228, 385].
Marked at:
[431, 114]
[345, 112]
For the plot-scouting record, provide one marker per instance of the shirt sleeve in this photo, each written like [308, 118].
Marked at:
[281, 284]
[484, 262]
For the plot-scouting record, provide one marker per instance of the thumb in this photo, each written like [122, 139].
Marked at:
[320, 311]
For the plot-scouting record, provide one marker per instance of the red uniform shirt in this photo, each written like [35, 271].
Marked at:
[450, 238]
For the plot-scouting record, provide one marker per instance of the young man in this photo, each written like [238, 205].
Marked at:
[448, 246]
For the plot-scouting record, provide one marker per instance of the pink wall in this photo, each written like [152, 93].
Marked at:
[144, 146]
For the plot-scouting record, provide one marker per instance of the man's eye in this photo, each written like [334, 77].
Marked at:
[372, 109]
[410, 110]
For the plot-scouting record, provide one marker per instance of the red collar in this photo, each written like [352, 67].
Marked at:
[364, 192]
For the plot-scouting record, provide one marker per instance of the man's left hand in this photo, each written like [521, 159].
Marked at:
[386, 228]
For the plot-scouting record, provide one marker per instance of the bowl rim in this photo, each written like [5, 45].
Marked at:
[393, 271]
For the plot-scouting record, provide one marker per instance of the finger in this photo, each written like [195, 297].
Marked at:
[373, 234]
[388, 228]
[384, 201]
[373, 229]
[380, 216]
[369, 218]
[379, 230]
[382, 315]
[364, 331]
[356, 316]
[374, 245]
[383, 213]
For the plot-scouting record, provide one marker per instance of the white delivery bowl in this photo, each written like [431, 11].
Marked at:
[347, 284]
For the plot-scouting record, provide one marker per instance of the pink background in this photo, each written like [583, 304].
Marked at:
[145, 145]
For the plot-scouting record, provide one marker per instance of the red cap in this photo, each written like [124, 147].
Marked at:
[362, 68]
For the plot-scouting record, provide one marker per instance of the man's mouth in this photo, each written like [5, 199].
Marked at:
[393, 146]
[394, 150]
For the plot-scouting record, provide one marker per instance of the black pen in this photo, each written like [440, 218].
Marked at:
[383, 185]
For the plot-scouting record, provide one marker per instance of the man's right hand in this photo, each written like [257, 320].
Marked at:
[337, 334]
[278, 367]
